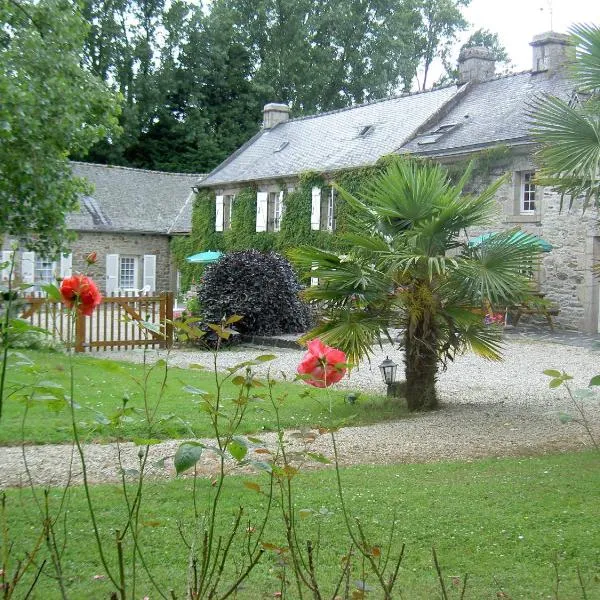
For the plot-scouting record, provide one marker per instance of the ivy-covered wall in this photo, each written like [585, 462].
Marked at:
[295, 225]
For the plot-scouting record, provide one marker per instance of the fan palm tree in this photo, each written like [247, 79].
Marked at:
[410, 268]
[569, 131]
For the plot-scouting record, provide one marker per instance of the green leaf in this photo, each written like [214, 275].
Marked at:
[187, 455]
[595, 380]
[233, 319]
[52, 291]
[556, 383]
[146, 441]
[319, 458]
[552, 373]
[238, 380]
[237, 450]
[265, 358]
[252, 486]
[304, 513]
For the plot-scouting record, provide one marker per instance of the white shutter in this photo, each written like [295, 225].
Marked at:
[66, 264]
[149, 272]
[278, 212]
[219, 214]
[28, 267]
[112, 273]
[262, 199]
[6, 257]
[315, 213]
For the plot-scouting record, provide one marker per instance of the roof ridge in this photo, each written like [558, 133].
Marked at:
[369, 103]
[91, 164]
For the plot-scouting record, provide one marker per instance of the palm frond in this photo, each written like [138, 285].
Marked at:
[586, 39]
[496, 270]
[355, 333]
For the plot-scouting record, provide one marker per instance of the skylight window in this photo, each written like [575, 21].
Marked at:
[446, 128]
[281, 146]
[365, 130]
[429, 139]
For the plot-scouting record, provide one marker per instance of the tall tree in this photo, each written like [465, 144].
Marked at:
[399, 274]
[50, 107]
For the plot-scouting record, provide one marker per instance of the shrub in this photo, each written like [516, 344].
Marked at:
[260, 287]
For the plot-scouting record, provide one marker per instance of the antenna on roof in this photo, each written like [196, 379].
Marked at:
[550, 13]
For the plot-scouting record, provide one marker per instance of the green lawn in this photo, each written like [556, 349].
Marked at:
[101, 384]
[502, 521]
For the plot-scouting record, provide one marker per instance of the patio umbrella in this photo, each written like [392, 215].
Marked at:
[516, 236]
[205, 257]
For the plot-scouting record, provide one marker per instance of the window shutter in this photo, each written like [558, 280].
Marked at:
[6, 257]
[219, 214]
[28, 267]
[149, 272]
[315, 213]
[112, 273]
[262, 199]
[278, 212]
[66, 264]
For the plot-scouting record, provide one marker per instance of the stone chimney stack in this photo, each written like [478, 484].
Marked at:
[550, 51]
[274, 113]
[476, 64]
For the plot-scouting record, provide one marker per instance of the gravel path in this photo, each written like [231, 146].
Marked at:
[488, 409]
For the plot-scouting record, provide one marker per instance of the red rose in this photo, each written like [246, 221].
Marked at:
[81, 292]
[91, 258]
[322, 363]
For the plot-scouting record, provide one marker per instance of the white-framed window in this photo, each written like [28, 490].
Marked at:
[327, 222]
[44, 270]
[227, 210]
[128, 272]
[527, 193]
[274, 211]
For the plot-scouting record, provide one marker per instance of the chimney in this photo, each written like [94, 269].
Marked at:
[550, 51]
[476, 64]
[275, 113]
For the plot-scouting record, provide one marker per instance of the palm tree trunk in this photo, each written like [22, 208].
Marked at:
[421, 364]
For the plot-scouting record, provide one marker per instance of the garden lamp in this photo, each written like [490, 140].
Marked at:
[388, 370]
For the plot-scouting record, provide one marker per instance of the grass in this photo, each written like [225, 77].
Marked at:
[100, 386]
[511, 524]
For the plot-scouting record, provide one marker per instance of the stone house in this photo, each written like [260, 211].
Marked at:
[129, 221]
[481, 113]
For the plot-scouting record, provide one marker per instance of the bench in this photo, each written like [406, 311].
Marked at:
[548, 311]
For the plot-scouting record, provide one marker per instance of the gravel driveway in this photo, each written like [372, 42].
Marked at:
[488, 409]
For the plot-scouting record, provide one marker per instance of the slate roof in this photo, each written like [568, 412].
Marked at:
[490, 113]
[437, 122]
[331, 141]
[134, 200]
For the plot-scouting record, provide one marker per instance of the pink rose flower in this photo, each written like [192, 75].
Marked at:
[322, 363]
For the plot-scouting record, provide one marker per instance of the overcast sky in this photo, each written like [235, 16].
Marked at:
[517, 21]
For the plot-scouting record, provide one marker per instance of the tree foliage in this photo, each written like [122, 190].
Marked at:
[195, 93]
[50, 107]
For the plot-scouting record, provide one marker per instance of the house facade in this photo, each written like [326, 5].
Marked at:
[483, 116]
[129, 221]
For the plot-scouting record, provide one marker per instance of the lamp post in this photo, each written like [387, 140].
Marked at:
[388, 370]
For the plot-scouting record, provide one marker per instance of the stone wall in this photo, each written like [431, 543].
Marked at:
[128, 244]
[565, 273]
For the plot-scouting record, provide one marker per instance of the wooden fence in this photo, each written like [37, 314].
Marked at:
[119, 322]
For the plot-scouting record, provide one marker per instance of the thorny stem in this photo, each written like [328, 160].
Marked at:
[5, 333]
[584, 419]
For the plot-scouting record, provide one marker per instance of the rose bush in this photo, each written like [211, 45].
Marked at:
[81, 292]
[325, 365]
